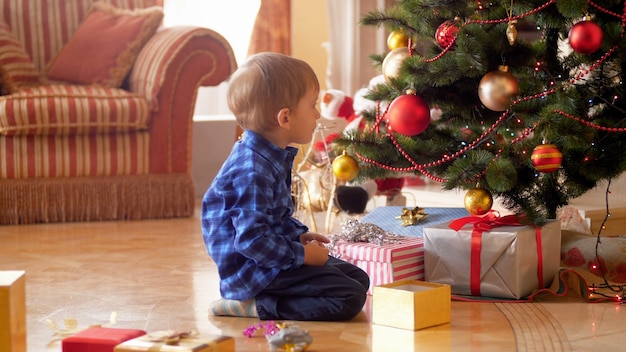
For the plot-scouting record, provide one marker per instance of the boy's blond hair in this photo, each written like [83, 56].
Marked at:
[266, 83]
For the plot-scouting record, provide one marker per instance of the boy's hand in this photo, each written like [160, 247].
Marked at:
[315, 253]
[314, 236]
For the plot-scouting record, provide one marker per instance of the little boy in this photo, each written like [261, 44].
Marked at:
[270, 265]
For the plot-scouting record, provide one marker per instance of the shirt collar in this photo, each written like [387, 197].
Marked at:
[263, 146]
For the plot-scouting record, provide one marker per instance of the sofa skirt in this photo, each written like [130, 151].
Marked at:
[75, 199]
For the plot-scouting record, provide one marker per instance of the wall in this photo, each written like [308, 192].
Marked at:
[213, 138]
[310, 32]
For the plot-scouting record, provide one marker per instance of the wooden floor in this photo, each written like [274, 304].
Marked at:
[156, 275]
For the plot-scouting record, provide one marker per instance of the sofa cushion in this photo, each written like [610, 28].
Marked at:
[16, 67]
[105, 46]
[72, 109]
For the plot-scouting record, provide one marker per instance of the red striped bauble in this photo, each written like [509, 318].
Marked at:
[546, 158]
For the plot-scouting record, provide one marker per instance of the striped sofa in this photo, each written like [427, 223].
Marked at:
[88, 152]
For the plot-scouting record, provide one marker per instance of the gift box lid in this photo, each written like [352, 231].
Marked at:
[385, 218]
[98, 339]
[405, 248]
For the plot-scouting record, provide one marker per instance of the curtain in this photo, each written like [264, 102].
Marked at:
[272, 28]
[349, 67]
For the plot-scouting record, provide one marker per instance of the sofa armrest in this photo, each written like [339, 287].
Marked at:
[173, 49]
[168, 72]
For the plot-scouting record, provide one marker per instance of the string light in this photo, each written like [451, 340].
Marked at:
[618, 290]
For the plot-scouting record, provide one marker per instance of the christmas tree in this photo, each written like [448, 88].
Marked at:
[531, 98]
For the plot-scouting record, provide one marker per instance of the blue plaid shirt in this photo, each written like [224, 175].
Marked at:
[247, 221]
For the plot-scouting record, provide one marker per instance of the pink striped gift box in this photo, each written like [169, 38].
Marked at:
[386, 263]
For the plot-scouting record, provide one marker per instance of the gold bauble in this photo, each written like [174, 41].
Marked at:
[497, 89]
[393, 61]
[345, 167]
[397, 39]
[478, 201]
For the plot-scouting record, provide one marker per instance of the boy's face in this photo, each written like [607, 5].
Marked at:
[305, 117]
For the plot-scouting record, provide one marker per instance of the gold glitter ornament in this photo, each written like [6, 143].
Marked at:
[511, 32]
[478, 201]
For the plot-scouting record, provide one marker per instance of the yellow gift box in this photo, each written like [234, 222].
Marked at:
[195, 343]
[12, 311]
[411, 304]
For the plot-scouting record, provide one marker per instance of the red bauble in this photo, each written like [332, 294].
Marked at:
[446, 32]
[409, 115]
[585, 37]
[546, 158]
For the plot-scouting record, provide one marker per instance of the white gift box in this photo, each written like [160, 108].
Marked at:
[503, 262]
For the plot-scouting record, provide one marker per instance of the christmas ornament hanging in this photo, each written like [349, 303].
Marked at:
[546, 158]
[446, 32]
[345, 167]
[585, 37]
[314, 188]
[511, 32]
[408, 114]
[397, 39]
[478, 201]
[393, 61]
[497, 89]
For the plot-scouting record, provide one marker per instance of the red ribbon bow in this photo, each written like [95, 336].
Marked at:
[485, 223]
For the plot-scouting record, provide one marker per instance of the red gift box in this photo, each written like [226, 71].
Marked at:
[98, 339]
[386, 263]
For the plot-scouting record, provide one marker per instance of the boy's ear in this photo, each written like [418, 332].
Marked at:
[284, 118]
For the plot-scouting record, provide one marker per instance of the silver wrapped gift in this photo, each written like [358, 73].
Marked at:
[501, 262]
